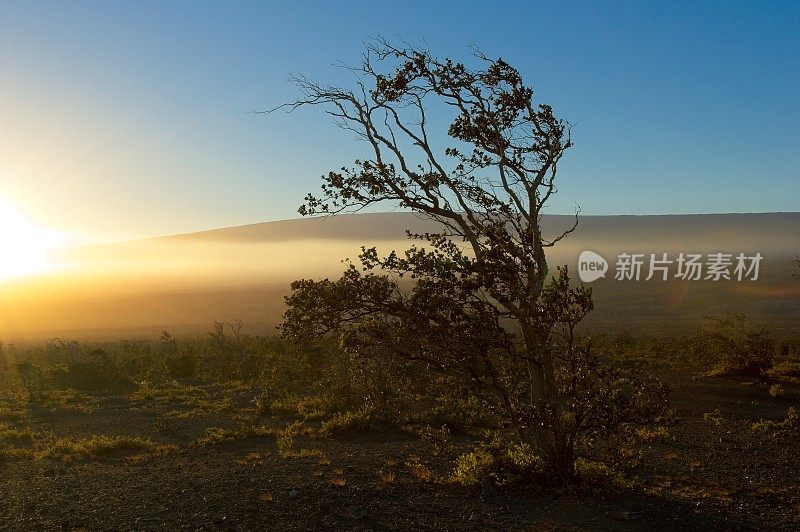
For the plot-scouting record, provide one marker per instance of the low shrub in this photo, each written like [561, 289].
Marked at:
[31, 378]
[459, 413]
[215, 435]
[650, 435]
[791, 424]
[347, 422]
[100, 446]
[12, 435]
[598, 475]
[714, 417]
[501, 464]
[731, 347]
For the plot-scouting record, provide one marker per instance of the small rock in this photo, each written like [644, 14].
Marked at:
[293, 493]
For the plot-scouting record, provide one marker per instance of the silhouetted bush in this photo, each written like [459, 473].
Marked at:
[32, 379]
[732, 347]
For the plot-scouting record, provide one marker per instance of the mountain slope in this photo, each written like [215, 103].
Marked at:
[184, 282]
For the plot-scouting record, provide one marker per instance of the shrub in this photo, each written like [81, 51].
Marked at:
[590, 410]
[171, 393]
[648, 435]
[791, 424]
[180, 366]
[387, 476]
[437, 439]
[714, 417]
[346, 422]
[776, 390]
[100, 446]
[501, 464]
[731, 347]
[284, 445]
[786, 369]
[307, 407]
[459, 412]
[216, 435]
[598, 475]
[420, 471]
[607, 408]
[73, 365]
[8, 413]
[9, 435]
[32, 379]
[471, 468]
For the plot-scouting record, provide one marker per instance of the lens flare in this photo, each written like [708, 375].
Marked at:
[25, 247]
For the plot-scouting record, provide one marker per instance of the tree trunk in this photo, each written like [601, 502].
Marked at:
[548, 435]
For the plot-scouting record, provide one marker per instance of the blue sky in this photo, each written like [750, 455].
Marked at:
[131, 119]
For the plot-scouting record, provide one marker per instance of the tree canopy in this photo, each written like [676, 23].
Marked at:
[477, 304]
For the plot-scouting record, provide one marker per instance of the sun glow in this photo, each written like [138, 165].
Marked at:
[25, 247]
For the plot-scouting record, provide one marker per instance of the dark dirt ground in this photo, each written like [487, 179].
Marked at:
[712, 473]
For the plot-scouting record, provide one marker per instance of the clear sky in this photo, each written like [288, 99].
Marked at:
[127, 119]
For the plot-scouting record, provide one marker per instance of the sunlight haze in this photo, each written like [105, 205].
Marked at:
[25, 247]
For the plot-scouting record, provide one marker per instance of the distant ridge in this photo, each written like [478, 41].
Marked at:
[392, 226]
[183, 283]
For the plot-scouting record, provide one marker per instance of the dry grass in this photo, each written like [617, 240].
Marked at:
[250, 458]
[420, 471]
[198, 401]
[101, 446]
[791, 424]
[388, 476]
[338, 482]
[714, 417]
[647, 435]
[12, 435]
[216, 435]
[776, 391]
[7, 413]
[68, 400]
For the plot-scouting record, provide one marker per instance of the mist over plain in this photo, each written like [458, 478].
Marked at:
[183, 283]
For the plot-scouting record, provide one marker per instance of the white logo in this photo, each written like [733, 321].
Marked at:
[591, 266]
[687, 266]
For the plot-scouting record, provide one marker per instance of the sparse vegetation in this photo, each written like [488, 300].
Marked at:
[388, 476]
[732, 347]
[216, 435]
[315, 427]
[714, 417]
[12, 435]
[32, 380]
[100, 446]
[338, 482]
[648, 435]
[8, 413]
[346, 422]
[789, 425]
[500, 464]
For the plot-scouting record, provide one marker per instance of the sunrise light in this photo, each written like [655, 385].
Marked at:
[25, 247]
